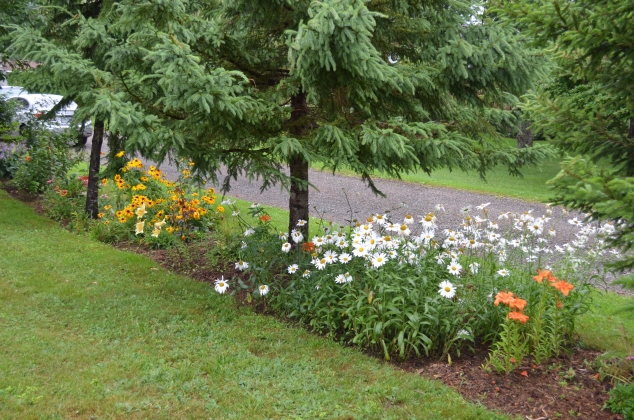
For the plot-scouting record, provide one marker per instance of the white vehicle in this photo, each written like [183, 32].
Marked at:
[37, 104]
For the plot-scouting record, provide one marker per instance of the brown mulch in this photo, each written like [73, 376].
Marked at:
[565, 388]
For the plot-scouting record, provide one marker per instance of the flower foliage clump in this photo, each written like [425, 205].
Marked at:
[409, 287]
[144, 204]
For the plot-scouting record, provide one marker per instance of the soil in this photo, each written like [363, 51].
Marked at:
[565, 388]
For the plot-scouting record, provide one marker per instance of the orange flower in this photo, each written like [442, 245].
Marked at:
[518, 316]
[544, 274]
[563, 286]
[265, 218]
[308, 246]
[504, 297]
[559, 304]
[518, 304]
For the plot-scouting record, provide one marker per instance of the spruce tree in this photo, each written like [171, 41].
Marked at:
[255, 86]
[587, 110]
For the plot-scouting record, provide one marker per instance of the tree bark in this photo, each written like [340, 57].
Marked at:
[92, 194]
[525, 136]
[298, 200]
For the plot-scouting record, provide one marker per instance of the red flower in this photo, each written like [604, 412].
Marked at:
[265, 218]
[308, 246]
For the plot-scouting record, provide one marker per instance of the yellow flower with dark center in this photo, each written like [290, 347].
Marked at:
[120, 154]
[108, 207]
[220, 209]
[100, 215]
[104, 181]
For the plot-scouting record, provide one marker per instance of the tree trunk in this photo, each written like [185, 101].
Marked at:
[525, 136]
[92, 195]
[630, 130]
[298, 200]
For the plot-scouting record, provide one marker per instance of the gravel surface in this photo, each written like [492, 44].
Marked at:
[341, 198]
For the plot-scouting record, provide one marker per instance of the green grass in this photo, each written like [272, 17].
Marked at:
[88, 331]
[279, 218]
[605, 328]
[531, 187]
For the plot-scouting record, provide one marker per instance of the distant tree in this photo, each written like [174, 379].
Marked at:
[254, 86]
[588, 110]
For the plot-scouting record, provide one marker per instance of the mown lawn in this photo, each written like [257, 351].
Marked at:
[531, 186]
[88, 331]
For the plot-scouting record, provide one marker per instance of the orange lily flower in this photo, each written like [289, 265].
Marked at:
[505, 298]
[544, 274]
[518, 304]
[518, 316]
[563, 286]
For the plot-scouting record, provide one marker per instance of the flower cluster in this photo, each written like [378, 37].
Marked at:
[514, 303]
[456, 272]
[166, 206]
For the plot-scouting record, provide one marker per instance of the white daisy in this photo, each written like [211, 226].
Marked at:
[292, 268]
[297, 236]
[360, 251]
[504, 272]
[575, 222]
[249, 232]
[429, 221]
[454, 268]
[319, 241]
[221, 285]
[409, 219]
[344, 258]
[306, 274]
[301, 222]
[283, 236]
[242, 265]
[286, 247]
[264, 289]
[378, 260]
[403, 230]
[320, 264]
[330, 256]
[340, 279]
[447, 289]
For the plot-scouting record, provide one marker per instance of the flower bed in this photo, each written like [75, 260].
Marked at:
[408, 288]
